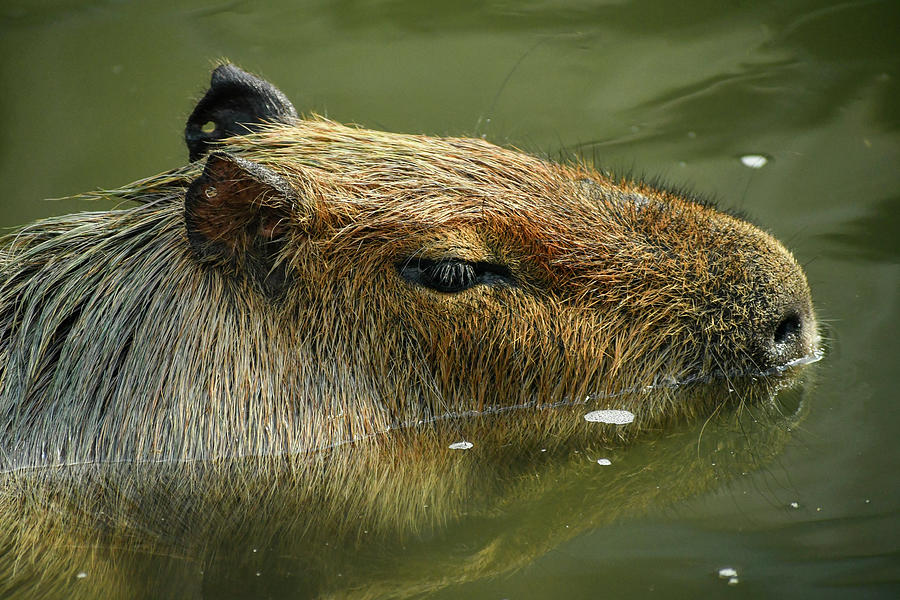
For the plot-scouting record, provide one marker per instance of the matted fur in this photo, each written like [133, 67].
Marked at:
[118, 344]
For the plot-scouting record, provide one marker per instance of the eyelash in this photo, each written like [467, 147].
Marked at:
[452, 275]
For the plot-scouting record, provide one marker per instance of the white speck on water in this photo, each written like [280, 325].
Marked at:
[81, 575]
[461, 445]
[726, 572]
[544, 450]
[754, 161]
[258, 573]
[604, 461]
[733, 581]
[795, 505]
[616, 417]
[867, 500]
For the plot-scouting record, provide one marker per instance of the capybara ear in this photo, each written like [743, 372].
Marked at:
[236, 103]
[237, 213]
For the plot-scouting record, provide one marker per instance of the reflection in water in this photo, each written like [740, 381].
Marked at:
[872, 237]
[395, 516]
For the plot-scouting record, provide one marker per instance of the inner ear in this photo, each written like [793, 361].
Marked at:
[272, 224]
[237, 214]
[236, 103]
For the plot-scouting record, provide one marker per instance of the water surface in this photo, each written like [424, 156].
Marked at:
[96, 94]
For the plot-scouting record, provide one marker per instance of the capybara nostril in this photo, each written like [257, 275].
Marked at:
[787, 341]
[788, 328]
[789, 336]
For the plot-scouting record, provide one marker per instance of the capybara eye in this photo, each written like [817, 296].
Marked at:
[451, 275]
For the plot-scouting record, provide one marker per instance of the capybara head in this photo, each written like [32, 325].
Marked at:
[304, 283]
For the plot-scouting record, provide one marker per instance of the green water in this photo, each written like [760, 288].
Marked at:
[96, 94]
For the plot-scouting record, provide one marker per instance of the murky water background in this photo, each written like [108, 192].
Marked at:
[96, 95]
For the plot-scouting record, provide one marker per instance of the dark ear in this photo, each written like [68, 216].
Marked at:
[235, 103]
[237, 214]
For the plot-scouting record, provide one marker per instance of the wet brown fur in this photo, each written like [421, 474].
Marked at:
[117, 342]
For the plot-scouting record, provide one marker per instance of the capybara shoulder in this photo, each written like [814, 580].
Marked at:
[303, 283]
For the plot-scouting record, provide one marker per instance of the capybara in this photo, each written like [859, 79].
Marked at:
[302, 284]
